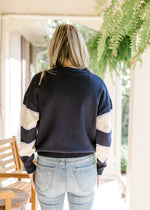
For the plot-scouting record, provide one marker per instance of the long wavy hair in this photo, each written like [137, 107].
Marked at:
[67, 43]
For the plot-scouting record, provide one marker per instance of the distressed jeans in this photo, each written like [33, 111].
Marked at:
[75, 176]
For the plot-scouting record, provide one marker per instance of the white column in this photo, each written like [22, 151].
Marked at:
[138, 176]
[113, 164]
[14, 82]
[10, 87]
[0, 83]
[4, 76]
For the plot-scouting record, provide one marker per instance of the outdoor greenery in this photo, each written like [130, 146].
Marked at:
[125, 78]
[43, 62]
[124, 156]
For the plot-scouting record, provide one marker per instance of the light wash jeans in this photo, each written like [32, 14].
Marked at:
[75, 176]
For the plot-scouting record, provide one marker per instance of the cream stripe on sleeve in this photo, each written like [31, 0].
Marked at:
[29, 118]
[26, 149]
[102, 152]
[103, 122]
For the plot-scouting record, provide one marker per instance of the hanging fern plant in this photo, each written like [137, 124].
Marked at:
[125, 29]
[121, 61]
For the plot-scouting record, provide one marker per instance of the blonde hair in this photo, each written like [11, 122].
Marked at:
[67, 43]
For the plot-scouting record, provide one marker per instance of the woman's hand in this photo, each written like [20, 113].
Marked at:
[98, 180]
[31, 176]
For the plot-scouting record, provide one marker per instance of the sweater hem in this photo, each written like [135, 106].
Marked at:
[63, 155]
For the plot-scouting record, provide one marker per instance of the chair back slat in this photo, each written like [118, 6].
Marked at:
[11, 160]
[6, 155]
[8, 169]
[5, 141]
[5, 148]
[9, 156]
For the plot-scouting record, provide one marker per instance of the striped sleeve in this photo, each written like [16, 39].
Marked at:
[103, 130]
[29, 121]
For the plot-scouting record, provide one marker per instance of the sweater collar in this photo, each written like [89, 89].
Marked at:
[71, 69]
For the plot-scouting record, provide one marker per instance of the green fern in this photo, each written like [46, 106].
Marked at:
[120, 62]
[126, 25]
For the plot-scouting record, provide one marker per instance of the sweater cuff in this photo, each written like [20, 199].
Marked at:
[31, 169]
[28, 163]
[100, 166]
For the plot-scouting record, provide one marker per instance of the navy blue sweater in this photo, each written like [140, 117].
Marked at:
[67, 115]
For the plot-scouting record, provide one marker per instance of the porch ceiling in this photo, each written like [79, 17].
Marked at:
[35, 32]
[26, 15]
[53, 7]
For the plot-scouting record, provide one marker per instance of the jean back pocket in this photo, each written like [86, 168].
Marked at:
[44, 177]
[86, 176]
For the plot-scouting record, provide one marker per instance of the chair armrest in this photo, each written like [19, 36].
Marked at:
[15, 175]
[7, 194]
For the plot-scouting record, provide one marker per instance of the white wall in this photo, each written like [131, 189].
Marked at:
[138, 188]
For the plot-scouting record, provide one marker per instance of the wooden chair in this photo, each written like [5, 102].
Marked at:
[7, 195]
[13, 198]
[11, 166]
